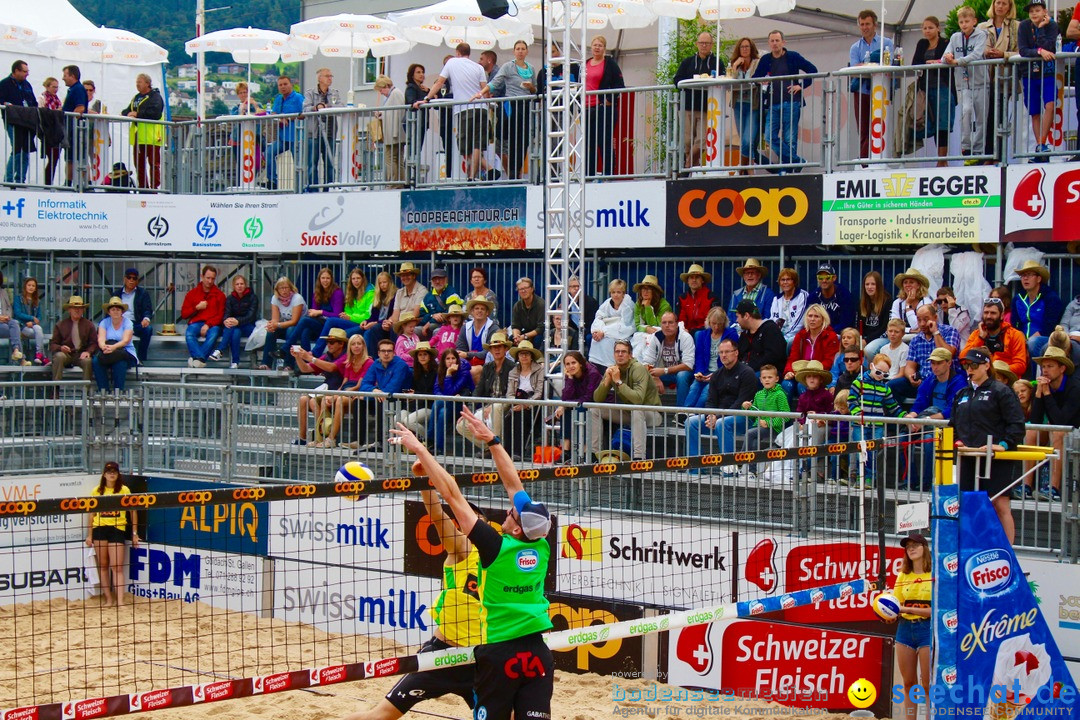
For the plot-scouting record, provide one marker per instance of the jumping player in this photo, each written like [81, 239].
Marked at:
[457, 623]
[514, 667]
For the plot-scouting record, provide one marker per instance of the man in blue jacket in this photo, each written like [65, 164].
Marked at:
[784, 100]
[140, 310]
[16, 90]
[934, 402]
[288, 102]
[389, 374]
[1038, 310]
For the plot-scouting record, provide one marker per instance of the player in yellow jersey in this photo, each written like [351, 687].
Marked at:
[914, 589]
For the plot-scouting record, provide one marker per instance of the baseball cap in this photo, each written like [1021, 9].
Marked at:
[1032, 3]
[131, 271]
[914, 538]
[941, 354]
[439, 272]
[826, 269]
[976, 355]
[746, 306]
[535, 518]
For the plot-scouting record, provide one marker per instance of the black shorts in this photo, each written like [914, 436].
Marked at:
[1002, 474]
[472, 127]
[108, 533]
[514, 676]
[420, 686]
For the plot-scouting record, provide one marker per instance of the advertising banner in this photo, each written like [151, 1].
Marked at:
[758, 210]
[620, 657]
[338, 531]
[62, 221]
[236, 527]
[485, 218]
[340, 222]
[617, 215]
[790, 664]
[205, 224]
[17, 530]
[46, 572]
[912, 207]
[1057, 590]
[169, 572]
[1044, 203]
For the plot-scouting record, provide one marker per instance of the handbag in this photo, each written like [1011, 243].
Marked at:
[375, 130]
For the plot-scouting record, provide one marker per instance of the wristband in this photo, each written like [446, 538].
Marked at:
[494, 441]
[1004, 444]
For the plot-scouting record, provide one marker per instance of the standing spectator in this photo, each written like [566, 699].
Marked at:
[931, 336]
[952, 314]
[11, 326]
[465, 78]
[968, 45]
[410, 296]
[146, 138]
[914, 293]
[447, 335]
[580, 380]
[287, 102]
[241, 312]
[75, 103]
[473, 339]
[357, 363]
[753, 289]
[51, 144]
[870, 397]
[446, 121]
[1037, 37]
[770, 398]
[327, 301]
[74, 340]
[614, 321]
[601, 73]
[407, 339]
[525, 382]
[114, 334]
[95, 106]
[1056, 402]
[733, 384]
[204, 310]
[650, 305]
[393, 122]
[17, 91]
[527, 315]
[322, 128]
[784, 99]
[286, 309]
[108, 533]
[515, 79]
[379, 325]
[452, 379]
[440, 296]
[669, 358]
[746, 102]
[140, 311]
[936, 82]
[1038, 311]
[489, 60]
[1002, 31]
[27, 313]
[695, 101]
[388, 375]
[873, 313]
[246, 105]
[494, 379]
[1001, 340]
[834, 297]
[415, 90]
[478, 279]
[707, 356]
[695, 304]
[331, 366]
[624, 382]
[816, 341]
[761, 342]
[359, 296]
[789, 306]
[865, 50]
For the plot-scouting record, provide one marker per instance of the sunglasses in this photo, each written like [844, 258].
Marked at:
[993, 301]
[942, 301]
[851, 359]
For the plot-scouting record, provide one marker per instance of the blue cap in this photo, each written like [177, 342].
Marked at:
[535, 518]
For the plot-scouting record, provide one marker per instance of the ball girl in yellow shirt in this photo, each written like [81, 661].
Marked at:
[914, 588]
[108, 533]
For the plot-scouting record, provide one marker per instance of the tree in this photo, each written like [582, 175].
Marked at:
[217, 107]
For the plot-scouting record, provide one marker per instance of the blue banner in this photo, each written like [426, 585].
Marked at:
[945, 525]
[236, 527]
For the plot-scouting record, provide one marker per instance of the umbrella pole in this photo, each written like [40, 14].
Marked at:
[352, 72]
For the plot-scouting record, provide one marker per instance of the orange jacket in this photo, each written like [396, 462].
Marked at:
[1015, 352]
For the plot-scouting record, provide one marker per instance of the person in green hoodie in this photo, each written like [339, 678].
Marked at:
[514, 666]
[770, 398]
[359, 295]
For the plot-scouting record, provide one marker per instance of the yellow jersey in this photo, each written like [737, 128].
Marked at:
[915, 590]
[111, 518]
[457, 610]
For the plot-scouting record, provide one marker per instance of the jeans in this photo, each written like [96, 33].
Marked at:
[142, 347]
[305, 331]
[638, 420]
[1036, 347]
[874, 347]
[758, 438]
[272, 151]
[782, 131]
[726, 430]
[682, 380]
[373, 335]
[39, 337]
[14, 334]
[118, 370]
[320, 152]
[698, 394]
[201, 349]
[18, 161]
[747, 121]
[270, 347]
[902, 388]
[231, 339]
[348, 326]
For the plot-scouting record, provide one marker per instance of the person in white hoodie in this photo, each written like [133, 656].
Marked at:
[669, 357]
[614, 321]
[967, 45]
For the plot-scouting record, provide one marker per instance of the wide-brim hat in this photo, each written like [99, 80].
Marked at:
[1035, 267]
[422, 346]
[527, 347]
[913, 274]
[696, 269]
[76, 301]
[479, 301]
[813, 367]
[1057, 355]
[336, 334]
[114, 302]
[798, 366]
[497, 338]
[649, 281]
[609, 456]
[1004, 372]
[119, 170]
[406, 317]
[456, 310]
[752, 264]
[406, 268]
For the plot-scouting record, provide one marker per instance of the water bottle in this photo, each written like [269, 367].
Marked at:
[279, 364]
[885, 58]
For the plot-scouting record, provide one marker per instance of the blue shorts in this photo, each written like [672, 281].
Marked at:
[1038, 92]
[914, 634]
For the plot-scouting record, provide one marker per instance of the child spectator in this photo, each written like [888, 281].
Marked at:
[848, 337]
[1024, 393]
[770, 398]
[897, 349]
[407, 338]
[816, 399]
[870, 397]
[965, 46]
[839, 432]
[1037, 38]
[447, 335]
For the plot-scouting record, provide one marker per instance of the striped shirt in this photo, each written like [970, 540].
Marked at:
[871, 397]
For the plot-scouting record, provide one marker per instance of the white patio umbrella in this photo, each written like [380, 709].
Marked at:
[455, 21]
[350, 36]
[246, 45]
[104, 45]
[16, 37]
[617, 14]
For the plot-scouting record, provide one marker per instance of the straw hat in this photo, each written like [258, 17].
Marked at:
[1057, 355]
[649, 281]
[497, 338]
[696, 269]
[913, 274]
[1035, 267]
[455, 310]
[75, 301]
[118, 171]
[799, 365]
[406, 317]
[753, 264]
[406, 268]
[1004, 372]
[479, 301]
[422, 346]
[335, 334]
[527, 347]
[813, 367]
[168, 329]
[612, 456]
[114, 302]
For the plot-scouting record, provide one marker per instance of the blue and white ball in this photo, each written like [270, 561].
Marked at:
[354, 472]
[887, 606]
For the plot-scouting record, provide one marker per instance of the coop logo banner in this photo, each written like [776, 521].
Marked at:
[1044, 203]
[47, 221]
[913, 207]
[592, 650]
[745, 211]
[236, 527]
[464, 219]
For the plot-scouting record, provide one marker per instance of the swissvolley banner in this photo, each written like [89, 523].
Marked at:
[464, 219]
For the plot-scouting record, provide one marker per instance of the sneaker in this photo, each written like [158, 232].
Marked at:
[39, 359]
[197, 363]
[1054, 495]
[215, 356]
[1023, 492]
[299, 441]
[729, 470]
[189, 361]
[234, 366]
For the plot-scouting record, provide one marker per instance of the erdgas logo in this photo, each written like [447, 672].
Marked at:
[752, 207]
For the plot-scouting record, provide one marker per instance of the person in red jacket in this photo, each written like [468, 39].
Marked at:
[999, 337]
[816, 341]
[694, 306]
[204, 310]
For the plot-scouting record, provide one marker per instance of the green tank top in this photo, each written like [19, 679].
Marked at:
[512, 591]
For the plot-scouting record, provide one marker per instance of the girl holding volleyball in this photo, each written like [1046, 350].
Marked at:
[913, 589]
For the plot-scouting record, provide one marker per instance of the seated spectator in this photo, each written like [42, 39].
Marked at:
[26, 312]
[379, 325]
[407, 338]
[895, 348]
[614, 321]
[327, 301]
[447, 335]
[329, 365]
[870, 397]
[286, 309]
[388, 375]
[480, 291]
[410, 296]
[357, 363]
[114, 335]
[452, 380]
[816, 341]
[417, 416]
[1002, 340]
[204, 309]
[624, 382]
[761, 342]
[10, 325]
[440, 297]
[649, 306]
[494, 379]
[555, 339]
[833, 297]
[694, 305]
[1004, 372]
[848, 336]
[1070, 322]
[140, 312]
[1038, 311]
[707, 356]
[872, 315]
[851, 358]
[789, 305]
[525, 382]
[1056, 402]
[917, 367]
[817, 399]
[74, 340]
[753, 289]
[914, 289]
[477, 333]
[119, 179]
[669, 358]
[770, 398]
[934, 402]
[949, 313]
[733, 384]
[580, 380]
[241, 311]
[1004, 294]
[527, 315]
[359, 296]
[581, 307]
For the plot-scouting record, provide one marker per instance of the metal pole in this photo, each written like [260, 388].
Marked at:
[200, 72]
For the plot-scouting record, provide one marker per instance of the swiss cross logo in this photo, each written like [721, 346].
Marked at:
[760, 567]
[694, 648]
[1029, 198]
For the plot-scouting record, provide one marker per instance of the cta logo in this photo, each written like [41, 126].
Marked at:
[1028, 197]
[206, 227]
[157, 227]
[528, 560]
[989, 572]
[253, 228]
[752, 206]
